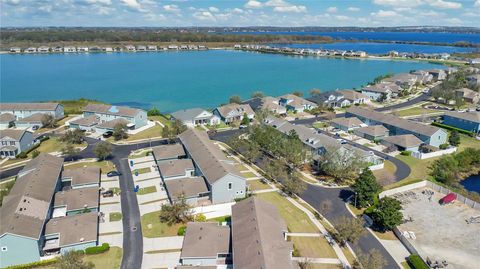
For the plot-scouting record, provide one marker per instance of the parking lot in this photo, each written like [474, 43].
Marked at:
[438, 232]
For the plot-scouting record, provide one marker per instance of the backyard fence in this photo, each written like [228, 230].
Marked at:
[422, 156]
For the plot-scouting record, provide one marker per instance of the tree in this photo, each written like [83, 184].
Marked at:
[387, 214]
[258, 94]
[341, 163]
[348, 229]
[73, 260]
[365, 188]
[70, 152]
[454, 138]
[293, 185]
[245, 119]
[275, 169]
[445, 169]
[178, 212]
[372, 260]
[48, 121]
[120, 131]
[235, 99]
[177, 127]
[298, 93]
[102, 150]
[252, 151]
[153, 112]
[73, 136]
[314, 92]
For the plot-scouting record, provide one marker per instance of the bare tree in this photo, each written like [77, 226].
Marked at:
[348, 229]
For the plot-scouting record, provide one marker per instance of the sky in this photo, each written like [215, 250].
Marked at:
[180, 13]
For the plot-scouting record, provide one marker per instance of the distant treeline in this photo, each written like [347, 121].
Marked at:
[52, 36]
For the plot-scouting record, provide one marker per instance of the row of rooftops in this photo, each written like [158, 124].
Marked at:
[302, 51]
[130, 48]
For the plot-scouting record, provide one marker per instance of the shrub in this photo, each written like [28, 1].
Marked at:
[21, 155]
[181, 231]
[33, 264]
[406, 153]
[451, 128]
[98, 249]
[443, 146]
[35, 153]
[416, 262]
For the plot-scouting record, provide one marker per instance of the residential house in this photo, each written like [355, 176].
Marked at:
[234, 112]
[192, 189]
[69, 49]
[141, 48]
[373, 132]
[85, 123]
[111, 115]
[196, 116]
[404, 80]
[438, 74]
[469, 121]
[206, 244]
[430, 135]
[382, 91]
[151, 48]
[31, 50]
[82, 49]
[32, 121]
[467, 95]
[423, 76]
[174, 169]
[83, 177]
[168, 152]
[76, 201]
[347, 124]
[295, 103]
[108, 49]
[258, 236]
[14, 141]
[15, 50]
[23, 110]
[26, 209]
[406, 142]
[7, 120]
[224, 181]
[106, 126]
[473, 80]
[266, 103]
[44, 49]
[130, 48]
[332, 99]
[57, 49]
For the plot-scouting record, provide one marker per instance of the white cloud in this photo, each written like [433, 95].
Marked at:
[171, 8]
[477, 3]
[204, 16]
[384, 14]
[354, 9]
[430, 13]
[45, 8]
[332, 9]
[238, 10]
[290, 9]
[100, 2]
[104, 10]
[398, 3]
[133, 4]
[253, 4]
[213, 9]
[455, 21]
[342, 18]
[441, 4]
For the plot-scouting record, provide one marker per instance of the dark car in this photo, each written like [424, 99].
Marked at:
[113, 174]
[107, 134]
[108, 193]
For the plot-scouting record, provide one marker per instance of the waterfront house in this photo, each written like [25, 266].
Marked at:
[44, 49]
[111, 115]
[234, 112]
[95, 49]
[130, 48]
[26, 209]
[382, 91]
[82, 49]
[423, 76]
[141, 48]
[14, 141]
[467, 95]
[168, 152]
[347, 124]
[15, 50]
[108, 49]
[151, 48]
[195, 116]
[404, 80]
[69, 49]
[85, 123]
[258, 236]
[83, 177]
[224, 181]
[7, 120]
[373, 132]
[31, 50]
[23, 110]
[32, 121]
[172, 47]
[473, 80]
[266, 103]
[295, 103]
[76, 201]
[438, 74]
[339, 98]
[406, 142]
[469, 121]
[57, 49]
[430, 135]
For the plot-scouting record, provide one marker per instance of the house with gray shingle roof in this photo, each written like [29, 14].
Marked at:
[23, 110]
[469, 121]
[14, 141]
[339, 98]
[406, 142]
[347, 124]
[196, 116]
[296, 103]
[382, 91]
[7, 120]
[34, 120]
[85, 123]
[467, 95]
[373, 132]
[266, 103]
[110, 115]
[234, 112]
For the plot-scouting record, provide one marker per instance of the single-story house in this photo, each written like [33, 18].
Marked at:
[193, 189]
[206, 244]
[23, 110]
[196, 116]
[469, 121]
[373, 132]
[14, 141]
[347, 124]
[266, 103]
[295, 103]
[110, 125]
[174, 169]
[168, 152]
[83, 177]
[7, 120]
[234, 112]
[76, 201]
[134, 118]
[406, 142]
[468, 95]
[85, 123]
[70, 233]
[30, 121]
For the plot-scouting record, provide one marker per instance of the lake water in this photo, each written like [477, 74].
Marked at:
[472, 183]
[177, 80]
[380, 48]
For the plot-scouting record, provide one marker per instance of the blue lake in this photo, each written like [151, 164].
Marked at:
[472, 183]
[176, 80]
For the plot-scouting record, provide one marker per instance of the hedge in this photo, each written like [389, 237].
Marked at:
[181, 230]
[33, 264]
[98, 249]
[406, 153]
[416, 262]
[451, 128]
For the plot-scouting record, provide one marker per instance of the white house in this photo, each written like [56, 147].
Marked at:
[234, 112]
[196, 116]
[296, 103]
[109, 116]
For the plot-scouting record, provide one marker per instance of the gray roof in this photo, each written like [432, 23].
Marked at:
[6, 118]
[74, 229]
[296, 100]
[257, 236]
[34, 118]
[83, 175]
[15, 134]
[383, 87]
[24, 210]
[395, 121]
[205, 240]
[87, 121]
[232, 110]
[352, 95]
[189, 187]
[373, 130]
[111, 124]
[469, 116]
[267, 102]
[405, 141]
[112, 110]
[211, 161]
[170, 151]
[172, 168]
[348, 122]
[28, 106]
[188, 114]
[76, 199]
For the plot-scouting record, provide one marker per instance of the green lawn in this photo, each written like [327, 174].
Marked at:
[221, 125]
[105, 166]
[419, 171]
[163, 119]
[76, 106]
[152, 132]
[140, 155]
[142, 170]
[115, 190]
[53, 145]
[296, 220]
[256, 185]
[248, 174]
[147, 190]
[468, 142]
[319, 124]
[110, 259]
[387, 173]
[323, 266]
[5, 188]
[240, 167]
[157, 228]
[221, 219]
[115, 216]
[313, 247]
[418, 110]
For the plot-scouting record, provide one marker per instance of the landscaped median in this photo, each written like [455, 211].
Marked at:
[146, 190]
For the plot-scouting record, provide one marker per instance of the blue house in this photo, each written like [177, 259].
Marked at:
[469, 121]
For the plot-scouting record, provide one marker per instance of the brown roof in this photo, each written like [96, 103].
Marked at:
[348, 122]
[205, 240]
[112, 110]
[25, 209]
[470, 116]
[28, 106]
[211, 161]
[171, 151]
[374, 130]
[37, 118]
[111, 124]
[16, 134]
[87, 121]
[7, 117]
[231, 110]
[76, 199]
[83, 175]
[395, 121]
[74, 229]
[257, 236]
[188, 187]
[405, 141]
[171, 168]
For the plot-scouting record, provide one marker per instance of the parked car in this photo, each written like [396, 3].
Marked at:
[35, 127]
[107, 134]
[113, 174]
[243, 126]
[108, 193]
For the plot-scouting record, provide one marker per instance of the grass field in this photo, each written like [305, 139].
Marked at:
[152, 132]
[248, 174]
[163, 119]
[386, 173]
[313, 247]
[157, 228]
[296, 220]
[115, 216]
[323, 266]
[418, 110]
[5, 188]
[221, 219]
[105, 166]
[147, 190]
[256, 185]
[110, 259]
[142, 170]
[420, 170]
[386, 235]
